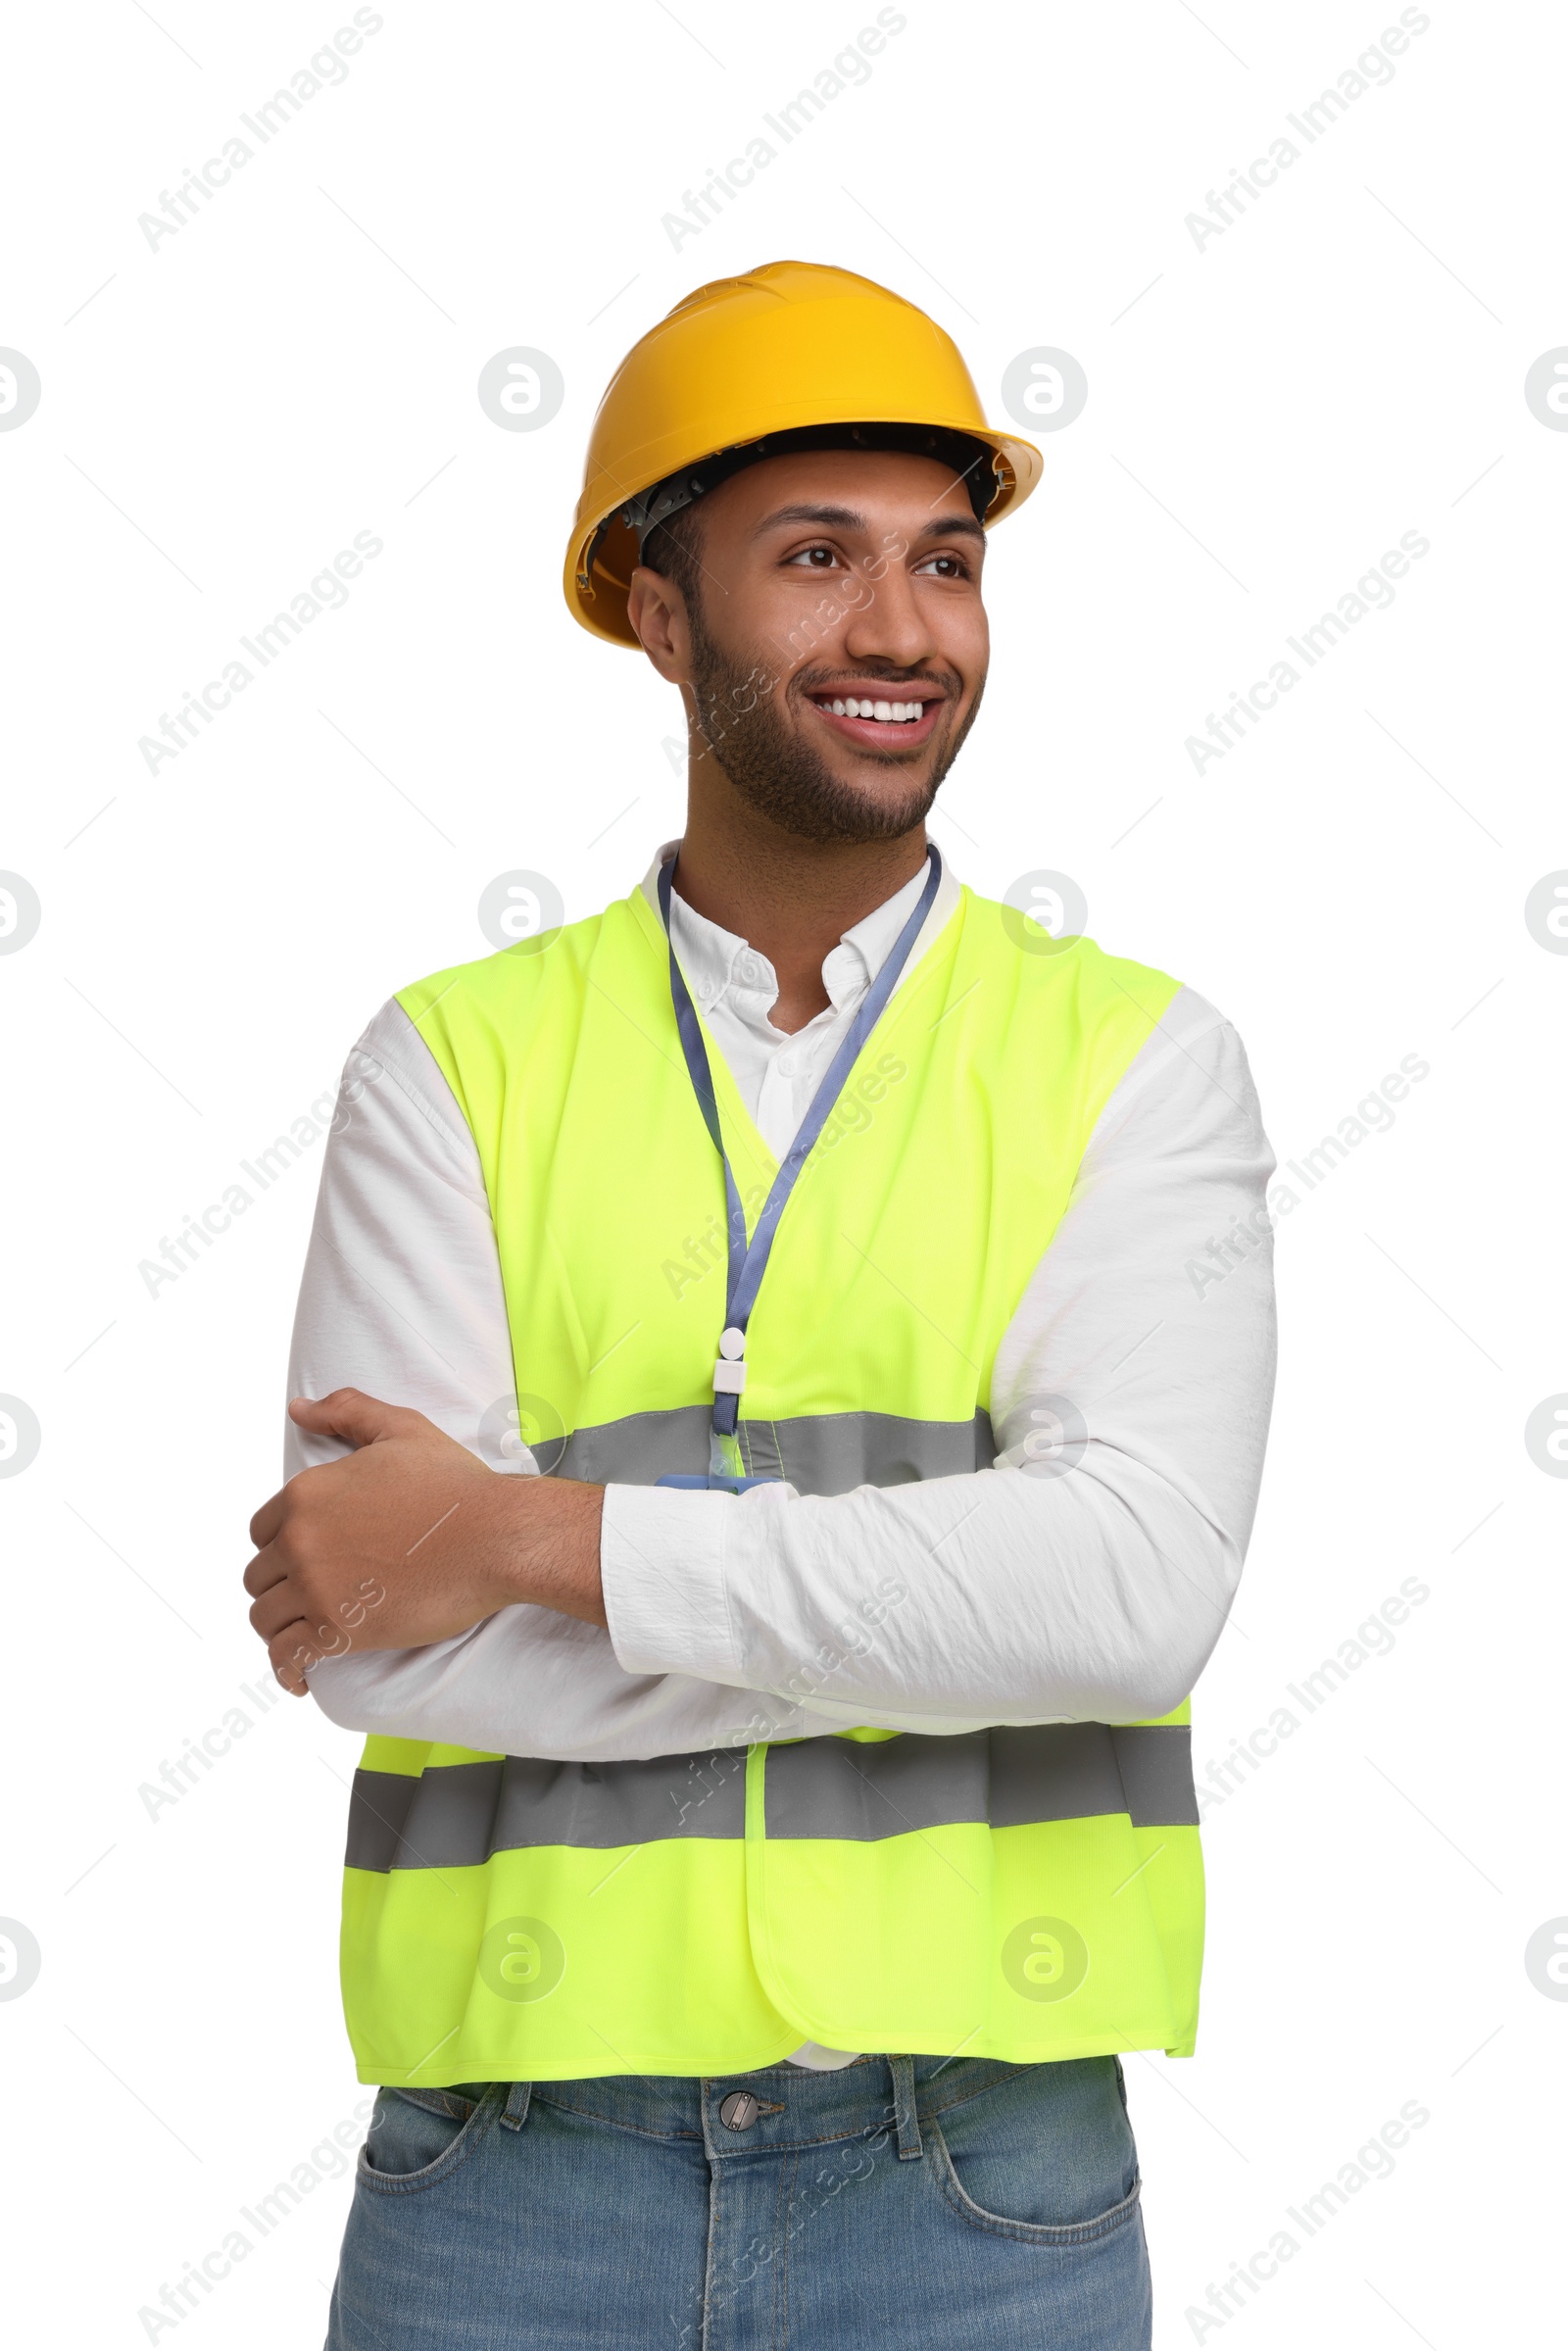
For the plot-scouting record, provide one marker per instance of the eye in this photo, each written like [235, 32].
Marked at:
[945, 567]
[814, 559]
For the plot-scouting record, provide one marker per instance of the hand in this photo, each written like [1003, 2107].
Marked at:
[409, 1539]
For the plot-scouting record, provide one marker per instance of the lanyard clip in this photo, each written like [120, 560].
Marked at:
[729, 1372]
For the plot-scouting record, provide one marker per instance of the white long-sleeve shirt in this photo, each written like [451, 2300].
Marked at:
[1095, 1593]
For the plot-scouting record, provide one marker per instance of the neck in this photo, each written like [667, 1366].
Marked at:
[791, 899]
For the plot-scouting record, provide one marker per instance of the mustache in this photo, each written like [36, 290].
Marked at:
[947, 684]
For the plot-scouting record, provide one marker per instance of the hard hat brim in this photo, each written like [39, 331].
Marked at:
[600, 602]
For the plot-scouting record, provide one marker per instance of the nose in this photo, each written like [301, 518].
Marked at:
[892, 624]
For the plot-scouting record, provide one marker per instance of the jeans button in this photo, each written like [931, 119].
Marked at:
[739, 2110]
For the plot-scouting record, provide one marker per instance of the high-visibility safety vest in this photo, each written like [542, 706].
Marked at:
[1020, 1894]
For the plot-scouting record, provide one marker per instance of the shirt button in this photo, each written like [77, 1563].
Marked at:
[739, 2110]
[786, 1065]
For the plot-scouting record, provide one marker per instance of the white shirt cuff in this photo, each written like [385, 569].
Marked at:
[662, 1562]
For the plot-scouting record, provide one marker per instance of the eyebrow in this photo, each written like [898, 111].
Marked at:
[845, 518]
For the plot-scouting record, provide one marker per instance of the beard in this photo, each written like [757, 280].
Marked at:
[782, 777]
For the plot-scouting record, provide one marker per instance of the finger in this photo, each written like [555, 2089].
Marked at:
[350, 1413]
[291, 1659]
[269, 1567]
[299, 1647]
[277, 1617]
[278, 1605]
[264, 1527]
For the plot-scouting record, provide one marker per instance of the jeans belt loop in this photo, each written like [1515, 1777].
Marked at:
[515, 2111]
[911, 2149]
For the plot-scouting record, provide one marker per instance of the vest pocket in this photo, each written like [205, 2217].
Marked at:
[418, 2137]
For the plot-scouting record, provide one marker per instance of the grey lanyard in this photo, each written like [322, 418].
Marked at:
[748, 1259]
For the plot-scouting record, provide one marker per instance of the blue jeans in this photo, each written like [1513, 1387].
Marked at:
[901, 2201]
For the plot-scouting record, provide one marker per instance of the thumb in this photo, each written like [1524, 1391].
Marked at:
[350, 1413]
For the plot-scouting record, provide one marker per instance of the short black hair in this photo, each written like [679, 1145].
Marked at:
[674, 550]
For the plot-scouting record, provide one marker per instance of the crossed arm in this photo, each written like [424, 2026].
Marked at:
[410, 1539]
[518, 1614]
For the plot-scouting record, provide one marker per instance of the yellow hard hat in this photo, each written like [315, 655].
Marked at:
[791, 345]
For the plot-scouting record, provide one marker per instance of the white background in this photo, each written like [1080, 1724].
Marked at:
[1266, 414]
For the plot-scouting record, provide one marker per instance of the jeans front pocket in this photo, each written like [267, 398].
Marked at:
[418, 2137]
[1045, 2156]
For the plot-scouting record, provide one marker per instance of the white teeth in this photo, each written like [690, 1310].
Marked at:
[894, 714]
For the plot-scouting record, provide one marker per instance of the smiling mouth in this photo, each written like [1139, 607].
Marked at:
[880, 721]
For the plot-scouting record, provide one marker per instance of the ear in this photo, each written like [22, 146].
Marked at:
[657, 611]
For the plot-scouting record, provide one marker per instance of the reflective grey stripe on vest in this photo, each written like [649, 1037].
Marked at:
[819, 1452]
[456, 1815]
[864, 1789]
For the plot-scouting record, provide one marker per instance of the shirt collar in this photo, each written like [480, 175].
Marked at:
[719, 962]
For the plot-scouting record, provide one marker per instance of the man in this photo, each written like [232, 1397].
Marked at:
[778, 1811]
